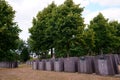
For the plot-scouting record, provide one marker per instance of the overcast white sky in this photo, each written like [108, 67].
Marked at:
[27, 9]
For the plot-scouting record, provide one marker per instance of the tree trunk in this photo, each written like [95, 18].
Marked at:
[42, 56]
[51, 52]
[45, 55]
[89, 52]
[101, 51]
[68, 54]
[68, 50]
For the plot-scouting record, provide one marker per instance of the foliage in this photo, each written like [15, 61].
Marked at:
[23, 50]
[24, 56]
[116, 39]
[41, 39]
[67, 21]
[105, 38]
[8, 30]
[62, 28]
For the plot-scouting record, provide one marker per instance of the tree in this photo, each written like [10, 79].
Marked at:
[23, 50]
[104, 34]
[116, 39]
[68, 21]
[24, 56]
[56, 28]
[9, 31]
[88, 41]
[42, 31]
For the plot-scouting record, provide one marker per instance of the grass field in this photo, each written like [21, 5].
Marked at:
[25, 72]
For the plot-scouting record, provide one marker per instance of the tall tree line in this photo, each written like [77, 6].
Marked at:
[59, 30]
[62, 29]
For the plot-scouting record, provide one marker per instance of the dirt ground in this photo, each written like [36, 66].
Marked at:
[25, 72]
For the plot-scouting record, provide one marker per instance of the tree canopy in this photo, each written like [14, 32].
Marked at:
[55, 26]
[61, 29]
[9, 31]
[69, 23]
[105, 38]
[41, 37]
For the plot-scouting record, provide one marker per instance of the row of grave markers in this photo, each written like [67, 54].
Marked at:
[101, 64]
[5, 64]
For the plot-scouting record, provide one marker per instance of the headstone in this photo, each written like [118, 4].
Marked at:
[10, 64]
[105, 65]
[15, 64]
[49, 66]
[31, 62]
[119, 68]
[59, 65]
[28, 62]
[41, 65]
[103, 69]
[119, 63]
[2, 64]
[70, 64]
[6, 64]
[115, 59]
[86, 65]
[35, 65]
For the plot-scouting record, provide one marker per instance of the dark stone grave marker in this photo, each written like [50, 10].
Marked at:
[35, 65]
[70, 64]
[86, 65]
[8, 64]
[49, 65]
[41, 65]
[106, 65]
[59, 65]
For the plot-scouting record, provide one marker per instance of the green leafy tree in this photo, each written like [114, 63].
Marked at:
[69, 23]
[88, 42]
[23, 51]
[104, 34]
[8, 31]
[58, 28]
[24, 56]
[116, 39]
[42, 32]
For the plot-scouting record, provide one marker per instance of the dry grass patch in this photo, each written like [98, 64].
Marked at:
[25, 72]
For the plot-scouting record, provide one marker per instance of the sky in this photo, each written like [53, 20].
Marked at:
[27, 9]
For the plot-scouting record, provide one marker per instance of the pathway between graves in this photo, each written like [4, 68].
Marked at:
[25, 72]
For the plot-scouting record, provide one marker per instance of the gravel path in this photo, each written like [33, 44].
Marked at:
[25, 72]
